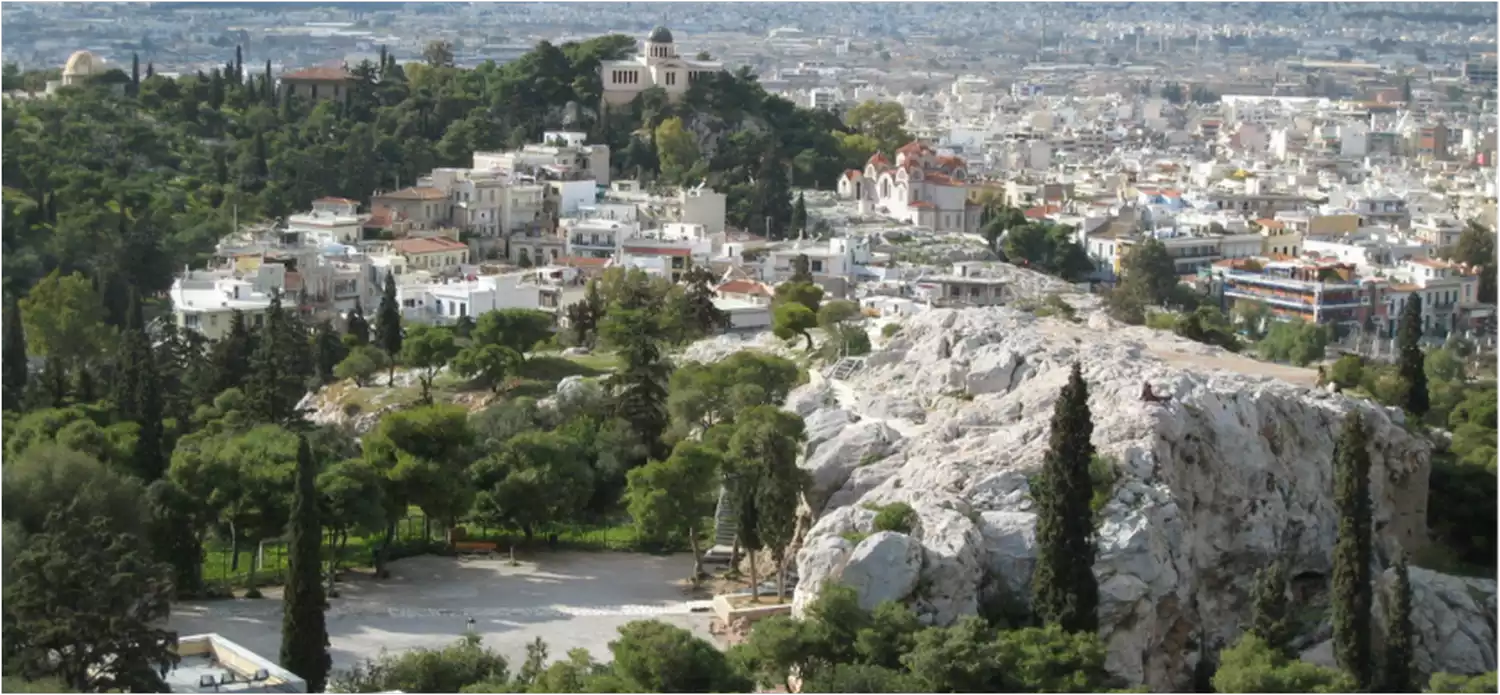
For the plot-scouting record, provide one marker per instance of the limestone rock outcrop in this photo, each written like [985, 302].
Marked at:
[1236, 469]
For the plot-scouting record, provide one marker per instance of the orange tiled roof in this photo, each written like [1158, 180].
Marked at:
[582, 262]
[416, 193]
[1042, 211]
[1431, 263]
[427, 245]
[1404, 287]
[745, 287]
[853, 174]
[1271, 224]
[923, 204]
[878, 159]
[333, 199]
[658, 251]
[913, 148]
[326, 73]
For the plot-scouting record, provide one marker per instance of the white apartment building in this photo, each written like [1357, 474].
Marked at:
[444, 302]
[562, 155]
[833, 263]
[331, 221]
[204, 301]
[594, 238]
[657, 65]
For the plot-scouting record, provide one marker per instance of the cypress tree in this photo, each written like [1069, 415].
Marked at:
[138, 393]
[1412, 361]
[230, 356]
[799, 216]
[135, 73]
[1397, 674]
[328, 351]
[388, 323]
[13, 349]
[239, 64]
[1268, 609]
[357, 326]
[1064, 590]
[265, 86]
[304, 630]
[150, 70]
[83, 390]
[1352, 592]
[275, 384]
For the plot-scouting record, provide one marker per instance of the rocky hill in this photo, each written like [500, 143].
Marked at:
[952, 414]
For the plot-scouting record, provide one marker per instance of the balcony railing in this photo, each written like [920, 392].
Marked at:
[1298, 285]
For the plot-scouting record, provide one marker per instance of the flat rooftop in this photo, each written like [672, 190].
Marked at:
[211, 664]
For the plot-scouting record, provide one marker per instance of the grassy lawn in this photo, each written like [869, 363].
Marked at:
[540, 375]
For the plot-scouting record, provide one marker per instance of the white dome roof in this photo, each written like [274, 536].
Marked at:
[83, 63]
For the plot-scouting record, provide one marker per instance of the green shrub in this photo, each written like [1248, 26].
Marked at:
[1348, 371]
[854, 537]
[1161, 320]
[897, 516]
[1103, 474]
[890, 330]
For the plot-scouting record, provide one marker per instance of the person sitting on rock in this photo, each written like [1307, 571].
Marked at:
[1148, 396]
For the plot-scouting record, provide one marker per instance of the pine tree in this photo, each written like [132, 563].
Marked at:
[304, 630]
[230, 357]
[1064, 590]
[1268, 609]
[388, 323]
[357, 326]
[799, 216]
[274, 386]
[14, 362]
[1397, 675]
[1413, 362]
[1352, 592]
[138, 393]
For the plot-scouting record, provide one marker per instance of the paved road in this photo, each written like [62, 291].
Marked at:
[569, 599]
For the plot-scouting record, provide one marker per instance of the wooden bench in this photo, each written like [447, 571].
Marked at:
[474, 547]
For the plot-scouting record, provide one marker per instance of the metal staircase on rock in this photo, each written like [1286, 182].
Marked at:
[846, 367]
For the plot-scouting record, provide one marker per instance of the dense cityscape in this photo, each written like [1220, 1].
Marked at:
[749, 347]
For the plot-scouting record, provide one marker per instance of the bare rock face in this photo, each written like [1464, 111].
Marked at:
[1233, 471]
[1453, 619]
[883, 567]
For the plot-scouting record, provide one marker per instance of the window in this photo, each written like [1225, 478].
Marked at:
[190, 320]
[817, 266]
[259, 319]
[671, 79]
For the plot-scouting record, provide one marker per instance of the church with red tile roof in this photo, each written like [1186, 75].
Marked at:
[921, 187]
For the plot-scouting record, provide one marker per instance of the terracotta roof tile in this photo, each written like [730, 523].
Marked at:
[853, 174]
[745, 287]
[428, 245]
[322, 73]
[332, 199]
[415, 193]
[583, 262]
[658, 251]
